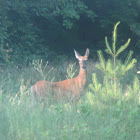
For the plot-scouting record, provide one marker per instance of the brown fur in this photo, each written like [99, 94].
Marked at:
[66, 88]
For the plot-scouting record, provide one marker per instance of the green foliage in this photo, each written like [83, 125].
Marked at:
[114, 38]
[113, 51]
[38, 65]
[90, 96]
[135, 88]
[4, 53]
[71, 71]
[95, 116]
[69, 11]
[136, 85]
[102, 61]
[126, 11]
[113, 68]
[129, 63]
[95, 87]
[34, 29]
[27, 26]
[123, 47]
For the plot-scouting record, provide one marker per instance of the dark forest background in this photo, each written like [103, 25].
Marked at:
[51, 29]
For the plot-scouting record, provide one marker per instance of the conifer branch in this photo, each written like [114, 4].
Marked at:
[91, 87]
[108, 50]
[99, 67]
[109, 65]
[136, 84]
[96, 86]
[131, 64]
[123, 47]
[129, 56]
[101, 58]
[107, 85]
[114, 39]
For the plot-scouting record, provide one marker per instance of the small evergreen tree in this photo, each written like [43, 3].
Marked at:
[114, 68]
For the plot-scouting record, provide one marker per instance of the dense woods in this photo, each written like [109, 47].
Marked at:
[32, 29]
[37, 42]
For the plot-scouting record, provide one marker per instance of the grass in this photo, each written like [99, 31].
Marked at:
[97, 116]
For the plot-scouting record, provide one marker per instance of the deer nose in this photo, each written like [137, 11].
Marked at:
[83, 65]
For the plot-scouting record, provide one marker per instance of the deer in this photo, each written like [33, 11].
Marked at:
[69, 88]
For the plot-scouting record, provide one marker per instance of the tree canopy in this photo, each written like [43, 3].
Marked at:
[32, 29]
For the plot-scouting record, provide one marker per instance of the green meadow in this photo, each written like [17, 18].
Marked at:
[97, 115]
[109, 108]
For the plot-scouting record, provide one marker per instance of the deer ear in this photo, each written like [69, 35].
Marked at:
[87, 53]
[77, 55]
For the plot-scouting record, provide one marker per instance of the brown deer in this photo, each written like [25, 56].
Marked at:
[70, 88]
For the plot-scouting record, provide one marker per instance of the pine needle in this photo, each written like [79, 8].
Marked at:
[95, 82]
[114, 39]
[101, 58]
[123, 47]
[108, 50]
[129, 56]
[131, 64]
[136, 84]
[109, 65]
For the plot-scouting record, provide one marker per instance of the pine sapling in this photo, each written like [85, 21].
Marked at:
[115, 70]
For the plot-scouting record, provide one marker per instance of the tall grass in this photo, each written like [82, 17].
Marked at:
[96, 116]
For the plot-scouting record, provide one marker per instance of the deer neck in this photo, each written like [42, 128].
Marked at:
[82, 76]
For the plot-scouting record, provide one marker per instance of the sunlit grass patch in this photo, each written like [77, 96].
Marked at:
[96, 115]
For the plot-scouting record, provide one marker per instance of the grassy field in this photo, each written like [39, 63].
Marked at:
[98, 115]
